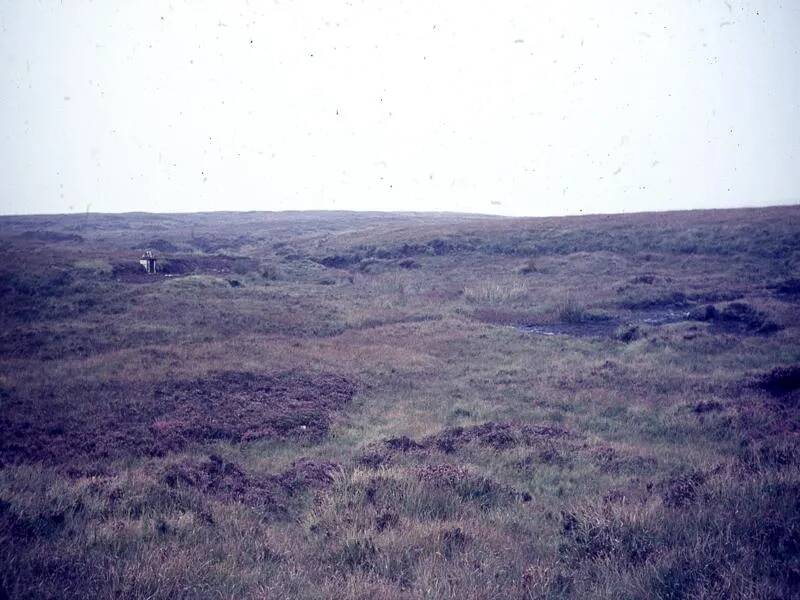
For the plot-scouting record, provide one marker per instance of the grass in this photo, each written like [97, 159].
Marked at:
[472, 460]
[495, 293]
[571, 311]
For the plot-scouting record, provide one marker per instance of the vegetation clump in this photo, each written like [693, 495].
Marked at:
[736, 316]
[780, 381]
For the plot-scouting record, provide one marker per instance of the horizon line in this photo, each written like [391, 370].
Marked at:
[788, 204]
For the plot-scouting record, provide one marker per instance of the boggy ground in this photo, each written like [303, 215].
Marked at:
[356, 405]
[137, 420]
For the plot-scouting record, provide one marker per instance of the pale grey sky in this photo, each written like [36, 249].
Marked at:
[511, 107]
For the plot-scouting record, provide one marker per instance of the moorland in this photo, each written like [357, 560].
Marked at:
[400, 405]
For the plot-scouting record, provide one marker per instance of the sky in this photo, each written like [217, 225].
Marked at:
[515, 108]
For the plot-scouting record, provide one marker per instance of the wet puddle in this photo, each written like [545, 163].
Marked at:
[606, 327]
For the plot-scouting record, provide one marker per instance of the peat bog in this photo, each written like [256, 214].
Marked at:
[378, 405]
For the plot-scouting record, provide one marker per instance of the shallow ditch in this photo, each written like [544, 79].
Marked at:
[606, 327]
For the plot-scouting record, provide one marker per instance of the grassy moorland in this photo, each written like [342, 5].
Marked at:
[334, 405]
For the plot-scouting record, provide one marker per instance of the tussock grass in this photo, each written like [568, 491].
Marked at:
[665, 463]
[571, 311]
[495, 293]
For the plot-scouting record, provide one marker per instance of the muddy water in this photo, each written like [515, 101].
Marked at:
[606, 327]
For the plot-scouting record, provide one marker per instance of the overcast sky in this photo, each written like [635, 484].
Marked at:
[524, 108]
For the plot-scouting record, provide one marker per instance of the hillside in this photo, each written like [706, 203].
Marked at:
[401, 405]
